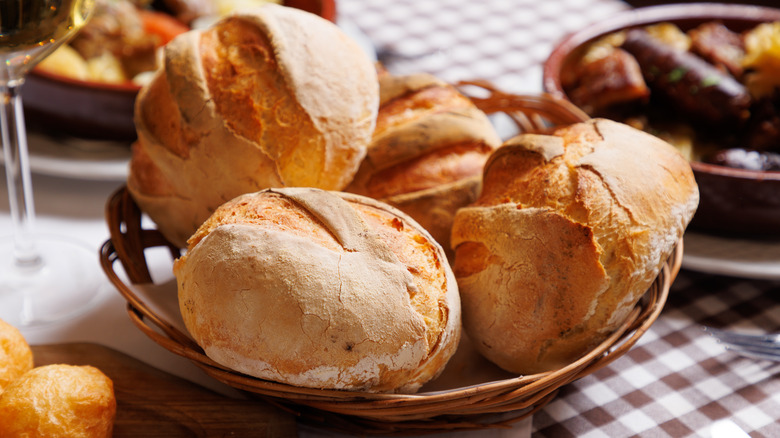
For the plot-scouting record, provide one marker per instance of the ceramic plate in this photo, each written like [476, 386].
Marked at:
[78, 158]
[747, 258]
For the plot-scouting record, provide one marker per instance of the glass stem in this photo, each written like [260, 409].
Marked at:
[17, 172]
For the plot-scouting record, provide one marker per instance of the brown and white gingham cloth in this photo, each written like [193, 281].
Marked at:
[503, 41]
[677, 381]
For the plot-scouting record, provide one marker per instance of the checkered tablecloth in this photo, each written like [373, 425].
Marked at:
[503, 41]
[677, 381]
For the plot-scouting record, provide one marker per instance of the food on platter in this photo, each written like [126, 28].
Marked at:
[58, 400]
[427, 151]
[711, 91]
[118, 44]
[320, 289]
[762, 59]
[16, 357]
[268, 98]
[570, 230]
[697, 87]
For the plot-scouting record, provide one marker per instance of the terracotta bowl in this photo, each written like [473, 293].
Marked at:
[99, 110]
[733, 201]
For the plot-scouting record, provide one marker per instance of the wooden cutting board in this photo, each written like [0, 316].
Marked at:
[153, 403]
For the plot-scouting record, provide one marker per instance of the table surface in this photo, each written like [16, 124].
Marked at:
[677, 381]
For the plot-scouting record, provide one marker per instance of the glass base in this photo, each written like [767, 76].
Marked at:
[65, 285]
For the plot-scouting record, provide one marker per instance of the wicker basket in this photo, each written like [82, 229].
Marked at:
[493, 403]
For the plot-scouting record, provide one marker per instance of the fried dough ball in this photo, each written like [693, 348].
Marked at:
[16, 357]
[58, 401]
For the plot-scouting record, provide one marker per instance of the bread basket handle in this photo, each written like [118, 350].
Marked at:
[130, 239]
[531, 113]
[127, 243]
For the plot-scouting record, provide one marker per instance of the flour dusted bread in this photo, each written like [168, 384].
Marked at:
[59, 401]
[427, 152]
[569, 232]
[16, 357]
[320, 289]
[268, 97]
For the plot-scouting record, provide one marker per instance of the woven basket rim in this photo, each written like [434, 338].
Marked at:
[493, 397]
[497, 403]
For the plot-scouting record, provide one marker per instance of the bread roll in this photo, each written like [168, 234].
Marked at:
[569, 232]
[16, 357]
[59, 401]
[268, 98]
[427, 152]
[320, 289]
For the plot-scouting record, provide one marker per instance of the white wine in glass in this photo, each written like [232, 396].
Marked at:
[43, 279]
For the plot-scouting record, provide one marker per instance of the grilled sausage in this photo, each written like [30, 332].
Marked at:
[694, 86]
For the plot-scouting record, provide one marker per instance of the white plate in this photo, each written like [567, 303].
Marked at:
[77, 158]
[746, 258]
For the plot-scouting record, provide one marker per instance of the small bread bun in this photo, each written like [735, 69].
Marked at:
[59, 401]
[16, 357]
[320, 289]
[427, 152]
[569, 232]
[268, 97]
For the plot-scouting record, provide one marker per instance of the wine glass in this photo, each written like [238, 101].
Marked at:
[43, 279]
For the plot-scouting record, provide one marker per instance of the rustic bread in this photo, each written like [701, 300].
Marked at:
[320, 289]
[427, 152]
[269, 97]
[570, 230]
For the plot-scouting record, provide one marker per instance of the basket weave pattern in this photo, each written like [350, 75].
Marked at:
[491, 404]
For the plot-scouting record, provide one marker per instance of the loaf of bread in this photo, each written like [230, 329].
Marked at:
[16, 357]
[270, 97]
[570, 230]
[427, 152]
[59, 401]
[320, 289]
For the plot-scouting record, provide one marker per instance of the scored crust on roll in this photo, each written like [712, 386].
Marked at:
[427, 151]
[569, 232]
[269, 97]
[427, 134]
[320, 289]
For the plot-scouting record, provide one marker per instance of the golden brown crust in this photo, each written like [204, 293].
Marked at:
[427, 151]
[269, 97]
[454, 163]
[16, 357]
[569, 232]
[272, 212]
[59, 400]
[320, 289]
[427, 134]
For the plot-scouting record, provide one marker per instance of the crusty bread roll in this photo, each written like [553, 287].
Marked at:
[16, 357]
[59, 401]
[569, 232]
[270, 97]
[320, 289]
[427, 152]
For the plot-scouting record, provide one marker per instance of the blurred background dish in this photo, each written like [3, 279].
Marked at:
[88, 89]
[77, 158]
[745, 258]
[734, 201]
